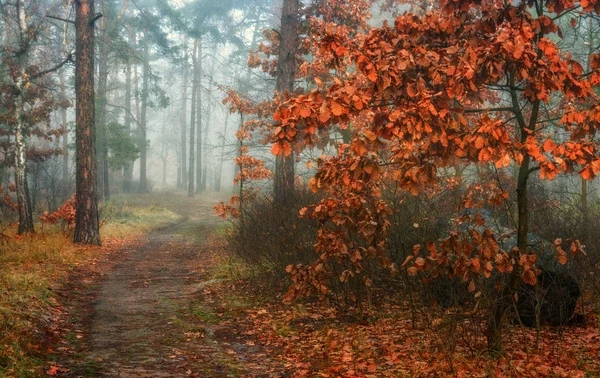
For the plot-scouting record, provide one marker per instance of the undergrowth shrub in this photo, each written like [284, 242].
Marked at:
[268, 238]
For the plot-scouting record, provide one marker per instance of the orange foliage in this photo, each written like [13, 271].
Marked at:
[65, 215]
[464, 83]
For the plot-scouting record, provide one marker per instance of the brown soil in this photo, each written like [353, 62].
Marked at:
[150, 316]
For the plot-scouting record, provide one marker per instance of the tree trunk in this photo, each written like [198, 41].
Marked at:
[219, 170]
[23, 199]
[65, 139]
[144, 112]
[199, 147]
[103, 180]
[191, 181]
[128, 169]
[284, 165]
[86, 219]
[183, 121]
[505, 301]
[205, 158]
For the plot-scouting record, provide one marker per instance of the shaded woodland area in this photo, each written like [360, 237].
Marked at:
[303, 188]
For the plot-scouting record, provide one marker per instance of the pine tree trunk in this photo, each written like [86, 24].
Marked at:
[184, 121]
[199, 120]
[86, 220]
[102, 142]
[143, 121]
[191, 180]
[128, 169]
[284, 165]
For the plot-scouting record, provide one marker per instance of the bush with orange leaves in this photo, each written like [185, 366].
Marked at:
[65, 215]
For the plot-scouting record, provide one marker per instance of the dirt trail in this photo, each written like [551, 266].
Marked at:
[140, 322]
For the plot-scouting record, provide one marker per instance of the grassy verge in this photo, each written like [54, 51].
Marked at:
[31, 266]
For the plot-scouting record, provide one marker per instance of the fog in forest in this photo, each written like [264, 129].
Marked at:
[299, 188]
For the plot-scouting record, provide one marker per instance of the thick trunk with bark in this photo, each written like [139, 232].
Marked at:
[284, 165]
[87, 224]
[23, 199]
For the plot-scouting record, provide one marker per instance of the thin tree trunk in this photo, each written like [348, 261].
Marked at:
[87, 230]
[199, 148]
[505, 300]
[183, 120]
[191, 181]
[219, 171]
[128, 169]
[284, 165]
[143, 121]
[163, 149]
[65, 140]
[136, 88]
[205, 158]
[103, 182]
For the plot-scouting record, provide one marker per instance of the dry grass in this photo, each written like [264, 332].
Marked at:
[31, 266]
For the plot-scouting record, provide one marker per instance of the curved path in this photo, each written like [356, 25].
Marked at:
[146, 319]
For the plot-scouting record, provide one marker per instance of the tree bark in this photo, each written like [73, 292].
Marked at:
[199, 148]
[284, 165]
[184, 121]
[128, 169]
[23, 199]
[87, 223]
[65, 141]
[219, 171]
[191, 180]
[505, 300]
[143, 121]
[103, 182]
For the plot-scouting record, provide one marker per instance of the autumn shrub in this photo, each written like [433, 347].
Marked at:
[269, 237]
[8, 206]
[64, 216]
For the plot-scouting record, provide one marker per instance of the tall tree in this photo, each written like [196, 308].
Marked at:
[286, 72]
[143, 127]
[63, 122]
[128, 169]
[20, 81]
[87, 223]
[199, 116]
[101, 95]
[194, 114]
[26, 99]
[464, 84]
[185, 85]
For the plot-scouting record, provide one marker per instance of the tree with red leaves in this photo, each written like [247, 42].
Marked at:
[471, 82]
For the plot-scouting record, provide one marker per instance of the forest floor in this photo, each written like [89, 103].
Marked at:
[169, 302]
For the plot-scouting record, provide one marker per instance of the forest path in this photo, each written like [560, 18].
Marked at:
[149, 318]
